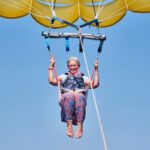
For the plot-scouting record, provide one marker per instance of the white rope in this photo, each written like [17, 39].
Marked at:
[126, 4]
[99, 9]
[14, 6]
[114, 13]
[30, 7]
[79, 8]
[41, 15]
[51, 8]
[23, 9]
[94, 97]
[136, 9]
[34, 8]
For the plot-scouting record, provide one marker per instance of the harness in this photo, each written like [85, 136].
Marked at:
[73, 83]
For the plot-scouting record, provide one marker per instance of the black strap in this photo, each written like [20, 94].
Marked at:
[80, 46]
[100, 46]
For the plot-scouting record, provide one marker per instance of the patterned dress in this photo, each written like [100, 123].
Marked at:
[73, 106]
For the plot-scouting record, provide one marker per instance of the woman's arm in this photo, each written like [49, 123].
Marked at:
[95, 81]
[52, 78]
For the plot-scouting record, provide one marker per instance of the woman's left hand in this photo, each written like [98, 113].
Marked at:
[96, 65]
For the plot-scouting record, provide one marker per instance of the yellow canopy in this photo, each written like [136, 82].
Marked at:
[108, 13]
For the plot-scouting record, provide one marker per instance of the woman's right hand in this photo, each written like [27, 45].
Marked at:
[52, 61]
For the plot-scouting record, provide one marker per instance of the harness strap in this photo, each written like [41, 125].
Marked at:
[80, 46]
[69, 86]
[67, 43]
[100, 46]
[47, 44]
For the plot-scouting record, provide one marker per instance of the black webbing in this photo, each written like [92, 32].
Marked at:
[54, 4]
[94, 7]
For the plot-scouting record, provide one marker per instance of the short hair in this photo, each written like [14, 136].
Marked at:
[74, 59]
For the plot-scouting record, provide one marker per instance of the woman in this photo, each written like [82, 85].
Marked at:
[73, 88]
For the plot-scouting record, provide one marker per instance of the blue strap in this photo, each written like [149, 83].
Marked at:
[47, 44]
[64, 22]
[67, 43]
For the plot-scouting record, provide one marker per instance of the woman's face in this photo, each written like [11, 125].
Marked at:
[73, 67]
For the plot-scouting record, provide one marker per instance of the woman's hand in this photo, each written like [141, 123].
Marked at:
[52, 61]
[96, 65]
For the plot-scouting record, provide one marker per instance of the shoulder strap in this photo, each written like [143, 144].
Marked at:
[66, 73]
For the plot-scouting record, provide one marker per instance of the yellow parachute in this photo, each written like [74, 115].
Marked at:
[108, 12]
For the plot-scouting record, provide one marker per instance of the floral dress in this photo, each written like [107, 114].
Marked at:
[73, 102]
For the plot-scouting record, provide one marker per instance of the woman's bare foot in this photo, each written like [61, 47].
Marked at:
[70, 129]
[79, 132]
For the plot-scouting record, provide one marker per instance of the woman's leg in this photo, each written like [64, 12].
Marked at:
[67, 111]
[79, 132]
[80, 107]
[70, 129]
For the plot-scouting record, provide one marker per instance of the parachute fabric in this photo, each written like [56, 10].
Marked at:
[108, 12]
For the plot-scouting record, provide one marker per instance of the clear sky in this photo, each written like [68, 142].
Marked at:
[29, 110]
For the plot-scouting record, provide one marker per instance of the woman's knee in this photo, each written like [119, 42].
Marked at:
[80, 99]
[67, 99]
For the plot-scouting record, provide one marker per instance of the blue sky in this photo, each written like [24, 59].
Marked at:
[29, 110]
